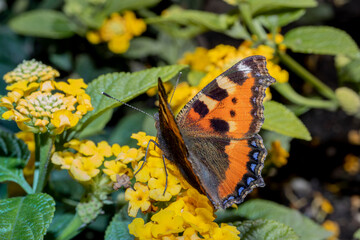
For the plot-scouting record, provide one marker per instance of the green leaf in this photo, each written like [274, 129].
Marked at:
[180, 31]
[265, 6]
[11, 169]
[12, 147]
[59, 222]
[357, 234]
[350, 72]
[43, 23]
[266, 230]
[123, 86]
[168, 48]
[131, 123]
[281, 120]
[263, 209]
[273, 21]
[118, 228]
[97, 125]
[142, 47]
[26, 217]
[189, 23]
[321, 40]
[270, 136]
[237, 31]
[119, 6]
[212, 21]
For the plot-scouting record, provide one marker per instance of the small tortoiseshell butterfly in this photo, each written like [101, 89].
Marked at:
[214, 140]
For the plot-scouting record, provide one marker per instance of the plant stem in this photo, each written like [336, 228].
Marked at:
[289, 93]
[253, 26]
[43, 146]
[72, 229]
[307, 76]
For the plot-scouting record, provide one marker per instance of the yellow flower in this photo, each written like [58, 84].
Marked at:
[127, 154]
[85, 163]
[198, 60]
[134, 25]
[31, 71]
[352, 164]
[193, 200]
[140, 230]
[104, 149]
[144, 174]
[224, 232]
[201, 220]
[93, 37]
[157, 186]
[73, 87]
[332, 227]
[268, 95]
[278, 154]
[326, 206]
[119, 44]
[276, 72]
[117, 31]
[24, 86]
[84, 168]
[63, 119]
[142, 139]
[39, 104]
[138, 199]
[166, 222]
[63, 159]
[113, 168]
[114, 26]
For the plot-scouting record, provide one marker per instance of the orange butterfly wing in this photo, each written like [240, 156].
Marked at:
[220, 125]
[214, 140]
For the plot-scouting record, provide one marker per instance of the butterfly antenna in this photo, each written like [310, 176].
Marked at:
[177, 82]
[107, 95]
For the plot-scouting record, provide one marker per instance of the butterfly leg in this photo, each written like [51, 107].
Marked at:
[146, 154]
[166, 174]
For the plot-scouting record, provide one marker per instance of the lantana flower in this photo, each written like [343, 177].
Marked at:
[117, 31]
[39, 104]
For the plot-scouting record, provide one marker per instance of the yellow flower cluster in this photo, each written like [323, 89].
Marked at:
[277, 154]
[215, 61]
[39, 104]
[88, 159]
[187, 214]
[117, 31]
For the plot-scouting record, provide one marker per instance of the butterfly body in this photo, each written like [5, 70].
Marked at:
[213, 140]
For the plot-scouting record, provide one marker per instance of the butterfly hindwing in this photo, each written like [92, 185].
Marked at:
[228, 169]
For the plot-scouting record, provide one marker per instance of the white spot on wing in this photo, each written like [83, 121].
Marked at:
[244, 68]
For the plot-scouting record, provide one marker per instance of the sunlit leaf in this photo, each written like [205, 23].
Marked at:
[281, 120]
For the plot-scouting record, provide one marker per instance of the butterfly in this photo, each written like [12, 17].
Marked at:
[214, 139]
